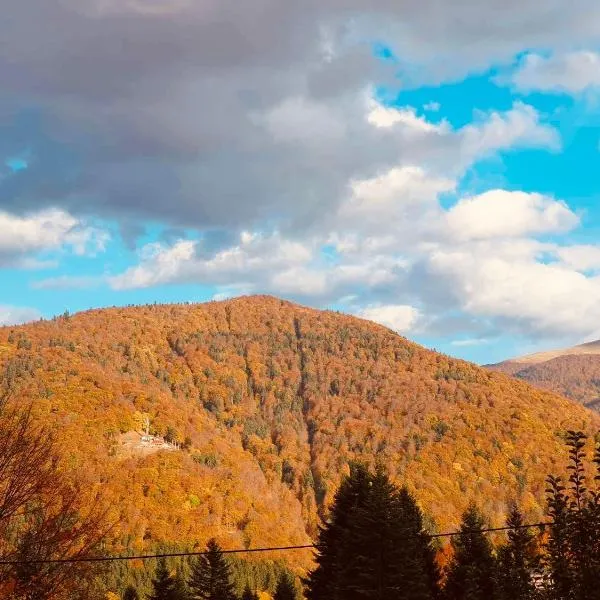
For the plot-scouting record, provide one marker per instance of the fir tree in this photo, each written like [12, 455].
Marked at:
[324, 582]
[163, 584]
[558, 563]
[180, 589]
[471, 572]
[210, 577]
[390, 556]
[130, 593]
[374, 546]
[249, 594]
[286, 589]
[518, 561]
[573, 549]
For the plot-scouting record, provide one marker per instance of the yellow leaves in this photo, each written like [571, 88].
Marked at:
[6, 351]
[244, 355]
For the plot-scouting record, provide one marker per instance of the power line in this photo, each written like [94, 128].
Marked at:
[488, 530]
[91, 559]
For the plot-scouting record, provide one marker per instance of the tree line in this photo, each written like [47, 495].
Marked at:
[210, 578]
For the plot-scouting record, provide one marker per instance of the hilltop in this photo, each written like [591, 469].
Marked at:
[266, 403]
[573, 372]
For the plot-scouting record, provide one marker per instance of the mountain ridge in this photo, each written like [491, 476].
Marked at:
[587, 348]
[573, 372]
[272, 401]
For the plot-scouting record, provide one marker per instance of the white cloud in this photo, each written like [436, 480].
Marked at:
[385, 116]
[524, 294]
[15, 315]
[470, 342]
[254, 256]
[501, 213]
[46, 230]
[515, 128]
[399, 317]
[572, 72]
[396, 246]
[583, 257]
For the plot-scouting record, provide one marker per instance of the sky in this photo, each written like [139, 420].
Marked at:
[432, 166]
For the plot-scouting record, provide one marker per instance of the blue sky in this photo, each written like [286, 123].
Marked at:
[440, 181]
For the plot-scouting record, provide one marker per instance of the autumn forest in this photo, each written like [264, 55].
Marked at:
[255, 423]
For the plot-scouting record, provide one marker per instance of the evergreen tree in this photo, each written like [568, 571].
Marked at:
[323, 583]
[286, 589]
[390, 556]
[130, 593]
[518, 561]
[163, 584]
[210, 577]
[249, 594]
[470, 575]
[180, 589]
[558, 562]
[374, 546]
[573, 549]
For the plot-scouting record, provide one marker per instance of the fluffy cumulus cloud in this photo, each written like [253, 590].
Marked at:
[46, 230]
[569, 72]
[398, 317]
[500, 213]
[525, 294]
[580, 257]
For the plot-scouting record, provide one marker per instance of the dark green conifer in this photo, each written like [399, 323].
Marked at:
[286, 589]
[130, 593]
[210, 577]
[180, 591]
[573, 550]
[470, 575]
[374, 545]
[163, 584]
[389, 555]
[249, 594]
[324, 582]
[518, 561]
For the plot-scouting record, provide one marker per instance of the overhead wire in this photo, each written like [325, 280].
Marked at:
[92, 559]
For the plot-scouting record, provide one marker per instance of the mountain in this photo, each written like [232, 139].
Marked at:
[573, 372]
[255, 407]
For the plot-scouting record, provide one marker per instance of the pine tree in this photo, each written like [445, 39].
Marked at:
[518, 561]
[374, 546]
[471, 572]
[558, 562]
[390, 556]
[249, 594]
[286, 589]
[210, 578]
[180, 589]
[163, 584]
[573, 549]
[323, 583]
[130, 593]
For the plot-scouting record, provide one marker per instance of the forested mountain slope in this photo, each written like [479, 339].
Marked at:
[573, 372]
[275, 400]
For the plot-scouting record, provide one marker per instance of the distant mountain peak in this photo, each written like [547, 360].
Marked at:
[573, 372]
